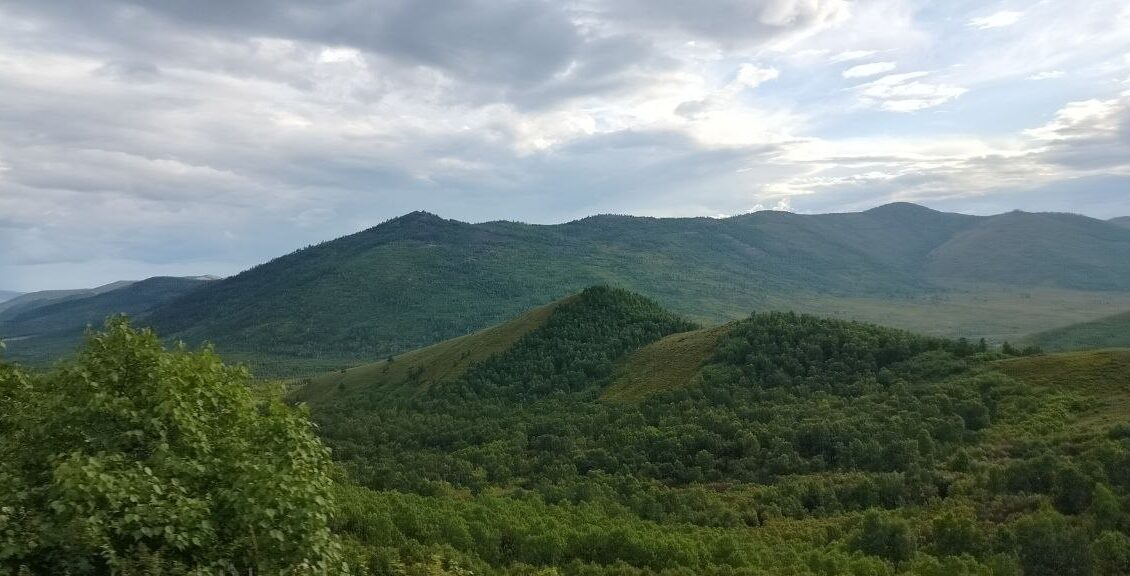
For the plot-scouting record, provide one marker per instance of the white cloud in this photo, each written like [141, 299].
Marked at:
[751, 75]
[865, 70]
[996, 20]
[852, 55]
[154, 133]
[907, 92]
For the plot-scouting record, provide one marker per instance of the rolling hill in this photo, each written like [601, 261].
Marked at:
[44, 328]
[1121, 221]
[419, 279]
[604, 435]
[1107, 332]
[6, 295]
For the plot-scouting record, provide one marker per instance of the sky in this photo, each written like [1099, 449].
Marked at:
[191, 137]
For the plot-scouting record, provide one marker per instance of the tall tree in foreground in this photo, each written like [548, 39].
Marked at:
[137, 459]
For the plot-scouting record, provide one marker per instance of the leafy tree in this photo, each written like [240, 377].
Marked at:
[1051, 546]
[955, 533]
[134, 456]
[1112, 554]
[1106, 510]
[887, 538]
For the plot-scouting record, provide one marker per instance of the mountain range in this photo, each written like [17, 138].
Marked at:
[419, 279]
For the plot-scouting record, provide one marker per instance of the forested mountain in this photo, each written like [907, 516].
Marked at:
[419, 279]
[1108, 332]
[604, 435]
[49, 327]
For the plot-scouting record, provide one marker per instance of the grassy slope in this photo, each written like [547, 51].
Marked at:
[1098, 381]
[416, 369]
[1106, 332]
[666, 364]
[993, 312]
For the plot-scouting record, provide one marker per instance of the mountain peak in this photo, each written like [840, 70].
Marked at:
[418, 216]
[901, 208]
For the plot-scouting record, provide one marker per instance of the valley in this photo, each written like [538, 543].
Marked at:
[832, 409]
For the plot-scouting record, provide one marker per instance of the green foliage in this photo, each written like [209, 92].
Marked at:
[1112, 554]
[955, 533]
[133, 456]
[781, 444]
[1050, 545]
[889, 538]
[598, 436]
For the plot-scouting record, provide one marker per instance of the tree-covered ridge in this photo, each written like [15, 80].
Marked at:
[421, 279]
[800, 446]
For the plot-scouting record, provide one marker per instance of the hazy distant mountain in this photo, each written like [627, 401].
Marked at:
[419, 278]
[6, 295]
[1121, 221]
[46, 327]
[1063, 250]
[31, 300]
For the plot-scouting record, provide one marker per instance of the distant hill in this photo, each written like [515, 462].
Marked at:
[419, 278]
[1108, 332]
[6, 295]
[31, 300]
[1063, 250]
[45, 328]
[1121, 221]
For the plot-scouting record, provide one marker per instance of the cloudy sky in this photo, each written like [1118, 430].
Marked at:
[203, 136]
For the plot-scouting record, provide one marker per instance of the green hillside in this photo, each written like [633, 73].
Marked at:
[27, 302]
[420, 279]
[610, 437]
[1063, 250]
[409, 373]
[1107, 332]
[46, 328]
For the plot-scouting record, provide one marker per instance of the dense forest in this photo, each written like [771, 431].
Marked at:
[790, 445]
